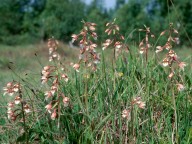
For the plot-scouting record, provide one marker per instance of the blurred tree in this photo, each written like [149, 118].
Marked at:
[178, 12]
[131, 15]
[61, 18]
[11, 18]
[17, 19]
[157, 14]
[25, 20]
[119, 3]
[32, 23]
[98, 4]
[187, 20]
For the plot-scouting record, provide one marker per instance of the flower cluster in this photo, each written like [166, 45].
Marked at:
[53, 106]
[55, 94]
[46, 74]
[126, 113]
[11, 88]
[15, 108]
[144, 44]
[171, 56]
[170, 40]
[54, 88]
[53, 45]
[55, 75]
[117, 39]
[88, 53]
[136, 101]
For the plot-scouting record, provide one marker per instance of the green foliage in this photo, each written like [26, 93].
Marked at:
[17, 21]
[173, 11]
[10, 12]
[131, 16]
[61, 18]
[119, 3]
[32, 24]
[25, 21]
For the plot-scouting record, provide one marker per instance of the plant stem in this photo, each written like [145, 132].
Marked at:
[24, 122]
[175, 117]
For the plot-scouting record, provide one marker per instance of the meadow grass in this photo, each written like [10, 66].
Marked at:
[102, 121]
[96, 100]
[28, 59]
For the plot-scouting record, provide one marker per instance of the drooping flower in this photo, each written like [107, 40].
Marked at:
[44, 79]
[54, 115]
[26, 108]
[16, 87]
[48, 94]
[106, 44]
[168, 46]
[165, 62]
[10, 105]
[76, 67]
[66, 101]
[49, 107]
[141, 104]
[11, 88]
[74, 38]
[94, 35]
[135, 100]
[180, 87]
[11, 115]
[92, 28]
[142, 50]
[138, 102]
[118, 45]
[176, 40]
[159, 49]
[45, 74]
[172, 54]
[54, 88]
[126, 114]
[65, 77]
[17, 100]
[171, 75]
[182, 65]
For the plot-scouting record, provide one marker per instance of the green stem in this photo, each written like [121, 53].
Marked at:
[86, 93]
[175, 116]
[24, 122]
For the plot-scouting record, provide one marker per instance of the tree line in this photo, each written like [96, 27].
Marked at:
[28, 21]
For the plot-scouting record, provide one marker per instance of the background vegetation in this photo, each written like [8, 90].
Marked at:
[28, 21]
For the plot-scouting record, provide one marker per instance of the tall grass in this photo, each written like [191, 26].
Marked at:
[97, 99]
